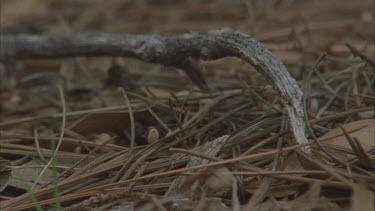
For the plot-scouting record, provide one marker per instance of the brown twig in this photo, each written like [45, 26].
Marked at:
[182, 51]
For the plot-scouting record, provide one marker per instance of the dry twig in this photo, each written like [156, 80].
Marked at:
[182, 51]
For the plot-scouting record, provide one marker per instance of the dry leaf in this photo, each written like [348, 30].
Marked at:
[292, 162]
[338, 145]
[362, 198]
[29, 172]
[104, 122]
[365, 135]
[159, 92]
[5, 174]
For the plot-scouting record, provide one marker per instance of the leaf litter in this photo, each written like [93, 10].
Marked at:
[190, 166]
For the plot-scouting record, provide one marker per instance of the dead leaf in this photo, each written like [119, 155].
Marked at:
[104, 122]
[365, 135]
[292, 163]
[362, 198]
[29, 172]
[363, 131]
[159, 92]
[5, 174]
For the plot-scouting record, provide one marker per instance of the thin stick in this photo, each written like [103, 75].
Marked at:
[121, 172]
[37, 146]
[308, 125]
[131, 117]
[63, 122]
[259, 97]
[158, 119]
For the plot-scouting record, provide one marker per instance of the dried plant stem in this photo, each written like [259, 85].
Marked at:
[63, 123]
[37, 146]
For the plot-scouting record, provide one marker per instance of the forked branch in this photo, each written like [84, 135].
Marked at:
[183, 51]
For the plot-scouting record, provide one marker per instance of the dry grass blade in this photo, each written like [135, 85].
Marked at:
[121, 172]
[60, 140]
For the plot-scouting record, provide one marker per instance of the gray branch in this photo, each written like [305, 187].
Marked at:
[183, 51]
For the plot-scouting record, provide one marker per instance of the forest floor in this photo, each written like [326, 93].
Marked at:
[117, 133]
